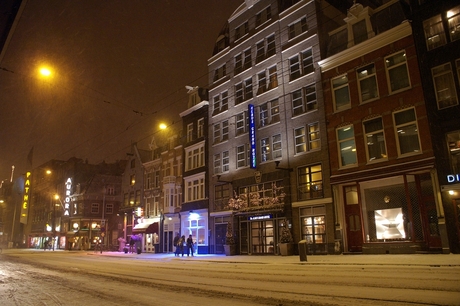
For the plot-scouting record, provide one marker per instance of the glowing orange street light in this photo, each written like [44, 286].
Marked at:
[46, 72]
[163, 126]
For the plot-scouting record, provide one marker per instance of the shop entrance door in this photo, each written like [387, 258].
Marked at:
[353, 219]
[168, 242]
[262, 237]
[221, 231]
[428, 211]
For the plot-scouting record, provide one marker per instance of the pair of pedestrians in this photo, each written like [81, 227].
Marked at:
[180, 244]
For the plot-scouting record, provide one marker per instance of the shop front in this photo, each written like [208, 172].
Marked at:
[195, 223]
[259, 233]
[396, 214]
[147, 230]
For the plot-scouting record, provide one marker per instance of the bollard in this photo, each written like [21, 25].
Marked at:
[303, 250]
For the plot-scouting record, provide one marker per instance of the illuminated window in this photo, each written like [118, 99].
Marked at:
[453, 19]
[434, 32]
[346, 146]
[269, 113]
[407, 132]
[443, 80]
[195, 157]
[310, 182]
[397, 71]
[367, 83]
[375, 139]
[300, 140]
[194, 188]
[341, 93]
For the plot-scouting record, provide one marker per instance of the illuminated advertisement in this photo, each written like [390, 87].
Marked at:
[25, 199]
[68, 191]
[252, 137]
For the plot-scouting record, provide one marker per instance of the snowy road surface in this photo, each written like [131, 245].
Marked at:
[79, 278]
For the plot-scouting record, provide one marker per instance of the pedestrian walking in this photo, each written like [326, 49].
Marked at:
[181, 245]
[176, 244]
[189, 245]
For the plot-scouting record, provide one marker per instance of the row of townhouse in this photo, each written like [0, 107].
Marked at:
[325, 120]
[339, 123]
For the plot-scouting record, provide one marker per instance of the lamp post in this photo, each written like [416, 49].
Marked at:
[56, 197]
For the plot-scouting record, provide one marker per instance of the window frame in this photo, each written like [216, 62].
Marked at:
[338, 86]
[364, 78]
[374, 133]
[352, 141]
[394, 67]
[398, 130]
[313, 178]
[437, 74]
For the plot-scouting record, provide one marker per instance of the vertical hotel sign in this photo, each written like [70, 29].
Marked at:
[252, 137]
[25, 199]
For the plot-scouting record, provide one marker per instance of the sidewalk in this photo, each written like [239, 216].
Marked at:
[429, 260]
[432, 260]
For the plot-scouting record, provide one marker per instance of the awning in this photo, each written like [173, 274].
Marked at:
[146, 228]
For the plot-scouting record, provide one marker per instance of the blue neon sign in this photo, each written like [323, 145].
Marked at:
[252, 137]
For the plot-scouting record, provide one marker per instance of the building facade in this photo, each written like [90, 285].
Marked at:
[436, 28]
[269, 165]
[383, 168]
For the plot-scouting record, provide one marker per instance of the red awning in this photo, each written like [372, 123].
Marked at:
[146, 228]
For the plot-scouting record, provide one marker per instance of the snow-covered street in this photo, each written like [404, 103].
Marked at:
[34, 277]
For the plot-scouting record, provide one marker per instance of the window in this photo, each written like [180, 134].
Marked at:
[453, 19]
[341, 93]
[242, 156]
[195, 157]
[243, 91]
[367, 83]
[195, 188]
[263, 16]
[132, 179]
[221, 196]
[200, 125]
[434, 32]
[109, 208]
[221, 131]
[300, 140]
[269, 113]
[241, 30]
[375, 139]
[238, 63]
[221, 162]
[347, 147]
[271, 150]
[310, 182]
[397, 73]
[242, 123]
[272, 77]
[263, 52]
[247, 59]
[298, 28]
[220, 103]
[301, 65]
[313, 136]
[304, 100]
[407, 131]
[94, 208]
[443, 80]
[133, 163]
[220, 73]
[189, 132]
[359, 32]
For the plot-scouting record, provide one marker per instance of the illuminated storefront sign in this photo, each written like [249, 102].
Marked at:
[253, 218]
[68, 191]
[25, 200]
[252, 137]
[453, 178]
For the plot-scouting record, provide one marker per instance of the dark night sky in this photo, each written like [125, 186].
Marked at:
[120, 68]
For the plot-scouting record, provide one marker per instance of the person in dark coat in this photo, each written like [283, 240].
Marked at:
[189, 245]
[176, 244]
[181, 245]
